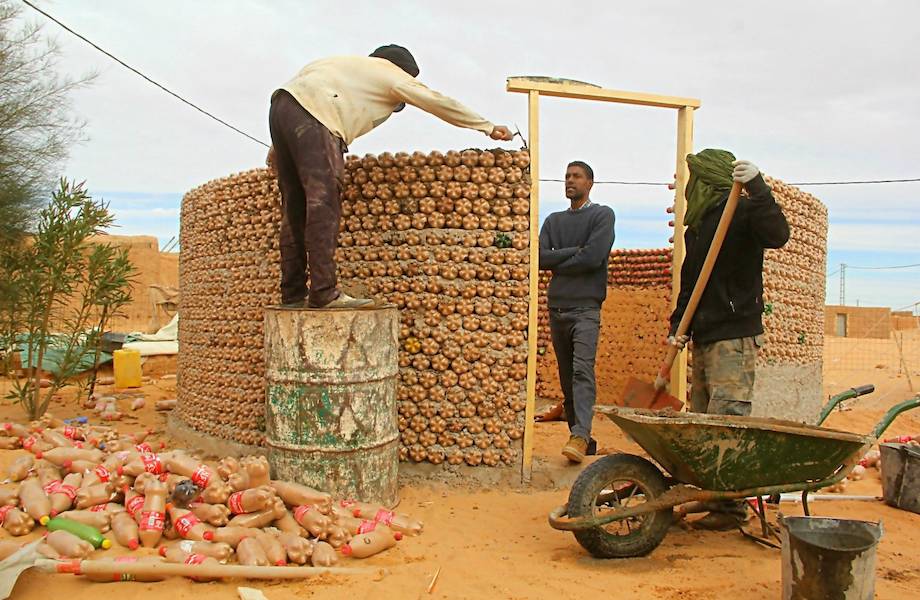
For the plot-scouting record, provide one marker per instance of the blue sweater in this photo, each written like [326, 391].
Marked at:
[575, 246]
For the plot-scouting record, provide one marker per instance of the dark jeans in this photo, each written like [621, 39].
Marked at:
[575, 332]
[310, 164]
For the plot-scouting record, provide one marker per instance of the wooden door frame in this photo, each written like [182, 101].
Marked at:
[565, 88]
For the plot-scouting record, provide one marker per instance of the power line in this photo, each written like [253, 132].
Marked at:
[130, 68]
[796, 183]
[614, 182]
[885, 268]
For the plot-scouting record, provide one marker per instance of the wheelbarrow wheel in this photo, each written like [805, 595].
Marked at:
[620, 481]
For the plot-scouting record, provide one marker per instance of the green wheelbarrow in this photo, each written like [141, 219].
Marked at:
[622, 505]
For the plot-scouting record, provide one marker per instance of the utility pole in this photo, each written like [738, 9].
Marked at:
[843, 284]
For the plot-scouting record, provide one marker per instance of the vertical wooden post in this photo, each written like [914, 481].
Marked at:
[684, 147]
[533, 129]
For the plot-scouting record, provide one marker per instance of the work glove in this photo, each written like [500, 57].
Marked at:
[679, 341]
[502, 133]
[744, 171]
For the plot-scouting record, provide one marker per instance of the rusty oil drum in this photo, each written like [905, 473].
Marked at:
[330, 412]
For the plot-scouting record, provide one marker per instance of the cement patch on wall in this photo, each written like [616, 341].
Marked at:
[788, 391]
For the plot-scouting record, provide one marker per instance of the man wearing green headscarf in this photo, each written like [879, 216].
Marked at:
[727, 328]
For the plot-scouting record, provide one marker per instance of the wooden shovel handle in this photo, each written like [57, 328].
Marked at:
[700, 286]
[106, 567]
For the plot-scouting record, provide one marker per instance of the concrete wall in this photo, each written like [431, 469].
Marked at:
[155, 269]
[861, 321]
[904, 319]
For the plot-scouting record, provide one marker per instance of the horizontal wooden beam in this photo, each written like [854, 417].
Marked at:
[566, 88]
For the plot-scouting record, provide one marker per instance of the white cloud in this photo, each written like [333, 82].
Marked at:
[794, 89]
[875, 237]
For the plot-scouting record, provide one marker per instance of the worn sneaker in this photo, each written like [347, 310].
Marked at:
[718, 521]
[346, 301]
[575, 449]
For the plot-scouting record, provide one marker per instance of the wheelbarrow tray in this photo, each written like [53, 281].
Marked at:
[726, 453]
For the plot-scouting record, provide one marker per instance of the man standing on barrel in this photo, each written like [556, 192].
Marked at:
[312, 119]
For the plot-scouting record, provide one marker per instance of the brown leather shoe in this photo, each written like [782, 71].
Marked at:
[575, 449]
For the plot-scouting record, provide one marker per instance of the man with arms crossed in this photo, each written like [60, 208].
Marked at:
[575, 245]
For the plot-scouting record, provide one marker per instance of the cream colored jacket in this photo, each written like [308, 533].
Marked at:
[351, 95]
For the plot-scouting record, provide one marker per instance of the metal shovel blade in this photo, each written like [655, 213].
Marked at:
[13, 565]
[640, 394]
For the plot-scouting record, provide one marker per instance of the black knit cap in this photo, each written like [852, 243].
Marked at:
[399, 56]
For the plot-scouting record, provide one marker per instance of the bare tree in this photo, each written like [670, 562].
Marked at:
[37, 123]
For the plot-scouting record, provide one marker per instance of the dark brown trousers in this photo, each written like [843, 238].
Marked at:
[310, 163]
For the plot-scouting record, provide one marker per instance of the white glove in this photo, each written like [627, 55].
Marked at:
[679, 341]
[744, 171]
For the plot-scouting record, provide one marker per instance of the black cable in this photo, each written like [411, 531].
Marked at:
[129, 67]
[885, 268]
[614, 182]
[796, 183]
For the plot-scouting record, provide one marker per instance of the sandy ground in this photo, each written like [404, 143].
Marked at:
[495, 543]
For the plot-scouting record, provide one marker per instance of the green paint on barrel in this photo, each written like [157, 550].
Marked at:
[331, 418]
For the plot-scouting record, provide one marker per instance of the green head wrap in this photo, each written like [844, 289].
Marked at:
[710, 180]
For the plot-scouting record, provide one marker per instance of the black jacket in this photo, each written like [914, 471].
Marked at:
[732, 304]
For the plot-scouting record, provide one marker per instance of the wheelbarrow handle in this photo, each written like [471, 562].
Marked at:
[892, 413]
[843, 396]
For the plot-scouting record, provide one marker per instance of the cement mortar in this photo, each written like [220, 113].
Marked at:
[207, 445]
[788, 391]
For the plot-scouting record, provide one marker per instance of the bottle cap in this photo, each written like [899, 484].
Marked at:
[162, 550]
[398, 536]
[133, 544]
[346, 550]
[67, 464]
[280, 563]
[208, 536]
[106, 544]
[44, 520]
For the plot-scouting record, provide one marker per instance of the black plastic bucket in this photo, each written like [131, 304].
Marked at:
[830, 559]
[900, 466]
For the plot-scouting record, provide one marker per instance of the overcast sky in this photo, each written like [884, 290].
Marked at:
[808, 90]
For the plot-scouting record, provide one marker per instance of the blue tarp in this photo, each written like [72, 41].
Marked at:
[54, 355]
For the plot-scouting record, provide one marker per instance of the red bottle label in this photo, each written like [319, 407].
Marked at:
[144, 448]
[152, 463]
[195, 559]
[201, 476]
[28, 442]
[384, 516]
[70, 432]
[367, 526]
[134, 504]
[152, 520]
[300, 511]
[68, 490]
[51, 487]
[102, 473]
[184, 524]
[101, 507]
[235, 503]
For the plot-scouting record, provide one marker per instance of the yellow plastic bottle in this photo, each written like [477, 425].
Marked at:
[127, 368]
